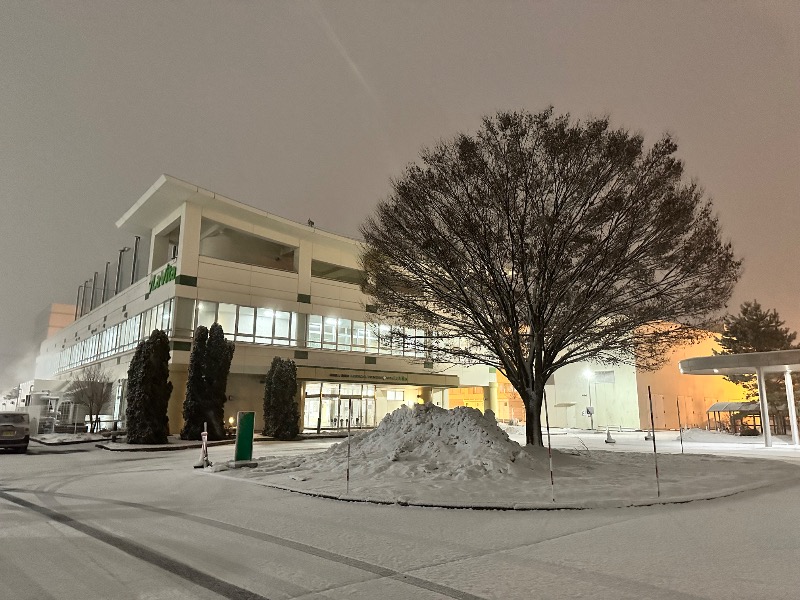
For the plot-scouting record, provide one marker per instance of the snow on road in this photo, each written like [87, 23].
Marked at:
[460, 457]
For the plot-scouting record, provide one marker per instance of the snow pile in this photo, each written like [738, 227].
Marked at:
[461, 443]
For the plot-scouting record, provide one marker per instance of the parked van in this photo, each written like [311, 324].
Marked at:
[15, 430]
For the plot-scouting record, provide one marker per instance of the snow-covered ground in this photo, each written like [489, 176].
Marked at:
[67, 438]
[460, 457]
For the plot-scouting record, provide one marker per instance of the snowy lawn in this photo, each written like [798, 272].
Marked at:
[460, 457]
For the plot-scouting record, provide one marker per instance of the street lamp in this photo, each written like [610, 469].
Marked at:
[589, 375]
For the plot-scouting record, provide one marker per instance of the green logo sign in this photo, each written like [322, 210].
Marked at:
[168, 274]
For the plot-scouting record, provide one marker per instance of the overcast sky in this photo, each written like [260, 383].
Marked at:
[307, 109]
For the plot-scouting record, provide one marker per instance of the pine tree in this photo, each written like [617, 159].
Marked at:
[219, 355]
[757, 330]
[196, 404]
[281, 413]
[148, 392]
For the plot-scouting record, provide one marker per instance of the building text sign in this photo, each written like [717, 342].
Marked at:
[169, 273]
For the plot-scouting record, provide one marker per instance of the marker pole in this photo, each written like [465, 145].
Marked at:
[349, 415]
[653, 434]
[549, 449]
[680, 427]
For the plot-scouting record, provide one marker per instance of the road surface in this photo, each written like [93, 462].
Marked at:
[77, 522]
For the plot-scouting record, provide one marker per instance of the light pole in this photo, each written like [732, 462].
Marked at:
[589, 375]
[119, 269]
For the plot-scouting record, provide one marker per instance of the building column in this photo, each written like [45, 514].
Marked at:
[425, 394]
[189, 244]
[302, 266]
[300, 394]
[762, 398]
[787, 377]
[490, 400]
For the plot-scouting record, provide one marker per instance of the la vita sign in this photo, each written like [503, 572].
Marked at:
[169, 273]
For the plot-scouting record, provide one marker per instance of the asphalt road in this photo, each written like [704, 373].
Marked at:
[83, 523]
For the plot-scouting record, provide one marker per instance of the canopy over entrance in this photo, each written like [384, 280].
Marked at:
[754, 363]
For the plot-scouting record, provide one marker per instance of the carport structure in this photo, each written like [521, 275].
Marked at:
[754, 363]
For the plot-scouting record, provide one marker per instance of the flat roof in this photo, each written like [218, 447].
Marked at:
[168, 193]
[777, 361]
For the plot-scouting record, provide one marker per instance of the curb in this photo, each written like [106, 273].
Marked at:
[165, 447]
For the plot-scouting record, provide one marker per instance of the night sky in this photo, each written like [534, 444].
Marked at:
[308, 109]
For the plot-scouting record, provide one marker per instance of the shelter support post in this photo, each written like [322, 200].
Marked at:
[787, 377]
[762, 398]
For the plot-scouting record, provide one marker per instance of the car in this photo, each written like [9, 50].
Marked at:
[15, 430]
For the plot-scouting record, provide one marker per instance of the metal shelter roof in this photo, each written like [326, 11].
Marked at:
[742, 364]
[747, 407]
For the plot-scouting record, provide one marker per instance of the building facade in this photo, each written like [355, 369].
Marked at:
[280, 288]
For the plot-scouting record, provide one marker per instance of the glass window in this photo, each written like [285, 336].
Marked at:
[359, 335]
[246, 323]
[166, 317]
[314, 335]
[344, 335]
[226, 317]
[282, 327]
[329, 333]
[206, 313]
[384, 339]
[372, 338]
[264, 319]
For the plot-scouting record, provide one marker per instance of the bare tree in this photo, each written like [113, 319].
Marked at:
[91, 388]
[540, 242]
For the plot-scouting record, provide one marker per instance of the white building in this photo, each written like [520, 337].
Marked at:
[280, 288]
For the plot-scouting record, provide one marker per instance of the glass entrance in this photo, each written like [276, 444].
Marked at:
[335, 406]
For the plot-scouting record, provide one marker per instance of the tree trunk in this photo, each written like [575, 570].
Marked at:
[533, 412]
[533, 419]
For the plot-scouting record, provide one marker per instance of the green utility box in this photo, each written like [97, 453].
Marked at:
[245, 426]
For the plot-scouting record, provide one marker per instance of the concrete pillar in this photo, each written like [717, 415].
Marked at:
[300, 394]
[787, 377]
[302, 265]
[425, 394]
[762, 397]
[189, 245]
[490, 401]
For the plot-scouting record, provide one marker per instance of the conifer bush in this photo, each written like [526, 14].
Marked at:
[281, 413]
[148, 391]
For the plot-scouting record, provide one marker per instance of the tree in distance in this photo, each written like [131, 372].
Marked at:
[540, 241]
[281, 413]
[91, 388]
[757, 330]
[209, 367]
[148, 392]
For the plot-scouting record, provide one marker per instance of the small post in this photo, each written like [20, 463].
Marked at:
[549, 449]
[653, 434]
[680, 427]
[349, 412]
[203, 462]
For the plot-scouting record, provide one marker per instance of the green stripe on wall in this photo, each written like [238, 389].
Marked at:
[186, 280]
